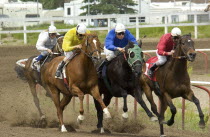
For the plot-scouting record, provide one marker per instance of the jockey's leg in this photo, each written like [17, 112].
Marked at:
[36, 63]
[103, 63]
[151, 70]
[161, 61]
[68, 56]
[59, 70]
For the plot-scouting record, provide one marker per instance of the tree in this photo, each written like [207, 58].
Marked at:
[109, 7]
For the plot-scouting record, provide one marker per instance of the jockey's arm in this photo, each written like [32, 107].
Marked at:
[40, 45]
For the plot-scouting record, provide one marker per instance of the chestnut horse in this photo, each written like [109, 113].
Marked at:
[174, 81]
[81, 77]
[32, 77]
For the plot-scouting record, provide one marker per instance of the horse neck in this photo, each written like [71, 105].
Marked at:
[84, 59]
[178, 65]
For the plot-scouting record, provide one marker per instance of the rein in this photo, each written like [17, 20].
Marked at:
[91, 53]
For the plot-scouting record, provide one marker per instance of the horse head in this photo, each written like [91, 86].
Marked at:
[186, 48]
[58, 47]
[92, 47]
[134, 57]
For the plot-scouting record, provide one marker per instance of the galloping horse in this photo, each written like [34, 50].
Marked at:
[25, 72]
[174, 81]
[123, 74]
[81, 78]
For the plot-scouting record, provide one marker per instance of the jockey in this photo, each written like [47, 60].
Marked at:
[116, 40]
[165, 48]
[72, 40]
[45, 43]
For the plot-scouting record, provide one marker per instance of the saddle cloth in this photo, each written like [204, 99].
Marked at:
[149, 64]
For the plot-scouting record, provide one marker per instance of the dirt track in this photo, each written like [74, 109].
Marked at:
[18, 112]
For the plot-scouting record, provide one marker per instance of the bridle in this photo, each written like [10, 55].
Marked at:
[58, 48]
[90, 55]
[184, 51]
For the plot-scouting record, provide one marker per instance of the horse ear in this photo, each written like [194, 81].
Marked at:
[139, 43]
[131, 44]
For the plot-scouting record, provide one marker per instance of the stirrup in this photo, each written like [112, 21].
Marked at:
[150, 73]
[58, 74]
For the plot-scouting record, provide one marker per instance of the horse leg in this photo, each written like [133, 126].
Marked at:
[163, 107]
[100, 129]
[172, 108]
[56, 99]
[32, 86]
[138, 96]
[149, 96]
[80, 94]
[96, 95]
[197, 103]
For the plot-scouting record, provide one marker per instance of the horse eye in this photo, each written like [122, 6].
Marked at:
[132, 54]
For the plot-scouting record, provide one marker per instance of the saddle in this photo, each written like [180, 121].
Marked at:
[37, 66]
[149, 64]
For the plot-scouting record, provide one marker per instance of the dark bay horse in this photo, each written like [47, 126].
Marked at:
[32, 77]
[123, 74]
[81, 77]
[174, 81]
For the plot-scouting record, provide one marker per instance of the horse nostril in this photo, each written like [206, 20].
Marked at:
[192, 54]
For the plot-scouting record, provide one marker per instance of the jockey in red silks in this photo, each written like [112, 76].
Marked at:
[165, 48]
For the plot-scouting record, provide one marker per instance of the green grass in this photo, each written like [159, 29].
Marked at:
[191, 115]
[155, 32]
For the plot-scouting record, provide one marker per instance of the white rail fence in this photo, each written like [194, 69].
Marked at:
[136, 25]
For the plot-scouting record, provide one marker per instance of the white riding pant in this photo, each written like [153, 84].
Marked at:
[109, 54]
[68, 55]
[161, 60]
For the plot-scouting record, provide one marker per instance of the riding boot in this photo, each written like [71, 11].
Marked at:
[104, 62]
[59, 70]
[151, 70]
[157, 88]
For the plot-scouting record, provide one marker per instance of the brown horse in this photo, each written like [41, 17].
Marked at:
[25, 72]
[174, 81]
[81, 78]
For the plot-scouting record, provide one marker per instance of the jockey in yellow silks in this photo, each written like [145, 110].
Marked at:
[72, 40]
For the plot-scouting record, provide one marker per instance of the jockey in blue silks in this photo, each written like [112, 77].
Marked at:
[116, 40]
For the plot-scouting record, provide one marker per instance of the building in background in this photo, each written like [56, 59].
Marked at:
[19, 10]
[144, 7]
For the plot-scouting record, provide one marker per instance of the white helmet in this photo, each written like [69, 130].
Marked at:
[52, 29]
[176, 32]
[81, 28]
[119, 27]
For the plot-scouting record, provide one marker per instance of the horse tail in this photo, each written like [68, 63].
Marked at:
[20, 69]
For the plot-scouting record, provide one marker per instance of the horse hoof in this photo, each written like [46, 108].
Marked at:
[162, 135]
[70, 128]
[80, 118]
[101, 131]
[42, 123]
[202, 125]
[170, 123]
[153, 119]
[106, 112]
[125, 115]
[63, 129]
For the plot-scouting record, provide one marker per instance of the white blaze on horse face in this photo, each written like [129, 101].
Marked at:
[95, 41]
